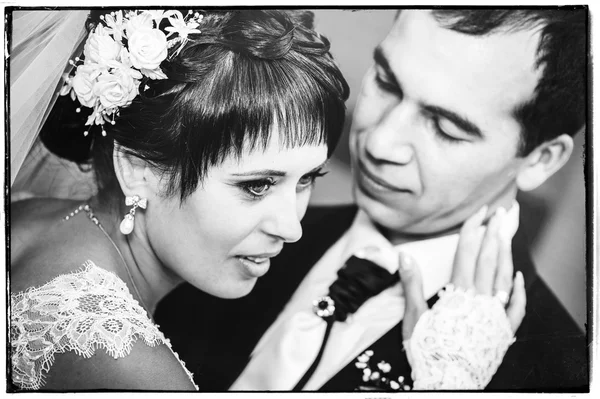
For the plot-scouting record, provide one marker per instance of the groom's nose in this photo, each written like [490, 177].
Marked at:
[390, 140]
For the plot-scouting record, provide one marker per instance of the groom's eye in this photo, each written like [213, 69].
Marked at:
[385, 82]
[445, 130]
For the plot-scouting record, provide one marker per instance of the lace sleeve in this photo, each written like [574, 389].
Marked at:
[82, 311]
[459, 343]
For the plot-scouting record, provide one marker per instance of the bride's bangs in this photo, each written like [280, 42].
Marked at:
[243, 100]
[255, 99]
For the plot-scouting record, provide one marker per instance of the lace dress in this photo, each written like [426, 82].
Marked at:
[82, 311]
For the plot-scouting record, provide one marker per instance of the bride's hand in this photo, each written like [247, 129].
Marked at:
[482, 276]
[483, 265]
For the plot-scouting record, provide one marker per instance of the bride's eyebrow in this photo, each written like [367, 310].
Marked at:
[316, 169]
[261, 172]
[272, 172]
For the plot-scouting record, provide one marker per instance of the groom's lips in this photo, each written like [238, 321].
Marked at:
[369, 182]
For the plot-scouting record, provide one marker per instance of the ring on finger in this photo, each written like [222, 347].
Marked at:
[502, 296]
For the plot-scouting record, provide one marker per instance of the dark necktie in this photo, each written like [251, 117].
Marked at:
[358, 280]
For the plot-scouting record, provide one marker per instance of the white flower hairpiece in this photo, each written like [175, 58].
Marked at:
[119, 52]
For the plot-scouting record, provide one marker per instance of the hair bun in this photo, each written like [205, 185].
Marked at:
[263, 34]
[62, 132]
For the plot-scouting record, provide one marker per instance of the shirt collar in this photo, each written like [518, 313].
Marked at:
[434, 256]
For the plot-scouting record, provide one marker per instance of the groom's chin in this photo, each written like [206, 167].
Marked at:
[385, 215]
[397, 223]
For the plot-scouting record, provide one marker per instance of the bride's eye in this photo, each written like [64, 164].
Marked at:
[309, 179]
[257, 188]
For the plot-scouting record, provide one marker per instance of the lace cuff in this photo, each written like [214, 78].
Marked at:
[459, 343]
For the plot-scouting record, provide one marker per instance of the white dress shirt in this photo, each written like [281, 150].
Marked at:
[371, 321]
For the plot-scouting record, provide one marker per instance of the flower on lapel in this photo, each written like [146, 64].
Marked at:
[324, 307]
[378, 378]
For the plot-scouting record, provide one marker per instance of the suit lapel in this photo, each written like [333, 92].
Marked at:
[389, 348]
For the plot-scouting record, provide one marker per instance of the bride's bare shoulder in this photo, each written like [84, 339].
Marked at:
[32, 218]
[31, 213]
[44, 245]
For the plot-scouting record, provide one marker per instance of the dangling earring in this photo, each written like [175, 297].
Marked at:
[127, 224]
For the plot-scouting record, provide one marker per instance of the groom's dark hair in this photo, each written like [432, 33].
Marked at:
[558, 105]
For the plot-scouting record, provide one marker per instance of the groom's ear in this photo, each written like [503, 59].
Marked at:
[545, 160]
[134, 174]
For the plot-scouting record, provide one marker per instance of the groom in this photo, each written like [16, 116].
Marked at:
[461, 108]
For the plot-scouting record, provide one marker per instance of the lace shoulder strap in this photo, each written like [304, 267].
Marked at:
[88, 309]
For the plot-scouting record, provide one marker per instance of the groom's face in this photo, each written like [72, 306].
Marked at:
[434, 135]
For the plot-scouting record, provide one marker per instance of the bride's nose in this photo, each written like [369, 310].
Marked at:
[283, 220]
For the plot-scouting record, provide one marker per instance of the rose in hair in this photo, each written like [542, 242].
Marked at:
[101, 47]
[83, 83]
[147, 48]
[116, 88]
[126, 46]
[139, 21]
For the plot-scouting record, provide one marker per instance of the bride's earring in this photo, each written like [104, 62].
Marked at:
[128, 222]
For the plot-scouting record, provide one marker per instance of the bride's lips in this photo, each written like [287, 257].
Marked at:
[256, 266]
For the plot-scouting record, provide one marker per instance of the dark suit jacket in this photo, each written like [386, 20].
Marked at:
[216, 336]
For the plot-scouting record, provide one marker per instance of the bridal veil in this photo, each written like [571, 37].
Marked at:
[42, 42]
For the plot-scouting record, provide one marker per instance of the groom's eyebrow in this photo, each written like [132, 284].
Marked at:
[381, 59]
[462, 122]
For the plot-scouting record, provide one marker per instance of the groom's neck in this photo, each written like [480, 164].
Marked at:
[400, 237]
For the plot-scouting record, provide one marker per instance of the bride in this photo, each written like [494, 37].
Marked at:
[206, 132]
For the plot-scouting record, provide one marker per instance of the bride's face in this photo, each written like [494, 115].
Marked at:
[222, 237]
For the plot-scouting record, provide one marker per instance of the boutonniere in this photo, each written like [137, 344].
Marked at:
[378, 378]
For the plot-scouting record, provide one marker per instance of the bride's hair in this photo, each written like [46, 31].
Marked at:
[249, 73]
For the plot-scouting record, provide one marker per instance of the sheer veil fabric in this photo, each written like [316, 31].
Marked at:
[43, 41]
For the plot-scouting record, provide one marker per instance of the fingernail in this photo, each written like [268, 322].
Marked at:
[406, 262]
[520, 278]
[482, 212]
[503, 234]
[501, 213]
[497, 217]
[480, 215]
